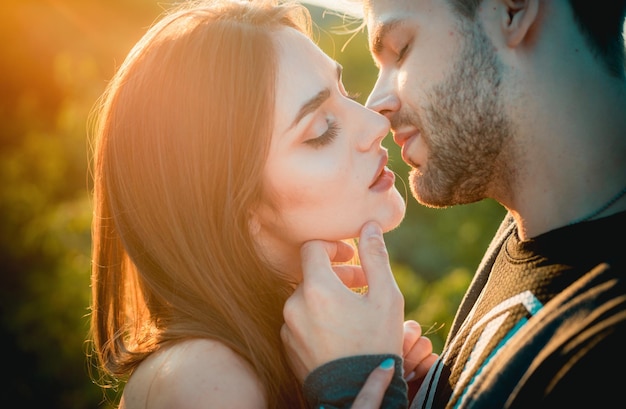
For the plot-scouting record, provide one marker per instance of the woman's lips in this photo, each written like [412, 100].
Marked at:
[385, 178]
[385, 181]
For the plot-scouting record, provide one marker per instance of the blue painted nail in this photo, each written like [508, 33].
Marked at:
[387, 364]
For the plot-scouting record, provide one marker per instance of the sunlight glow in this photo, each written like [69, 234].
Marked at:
[350, 7]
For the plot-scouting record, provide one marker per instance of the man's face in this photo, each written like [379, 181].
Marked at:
[439, 84]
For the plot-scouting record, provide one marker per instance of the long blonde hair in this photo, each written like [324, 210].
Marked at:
[181, 137]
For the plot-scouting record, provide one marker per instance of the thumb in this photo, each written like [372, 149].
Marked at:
[375, 259]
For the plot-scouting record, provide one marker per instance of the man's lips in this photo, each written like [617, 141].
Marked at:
[401, 136]
[404, 140]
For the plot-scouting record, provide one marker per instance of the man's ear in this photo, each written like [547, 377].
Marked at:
[518, 17]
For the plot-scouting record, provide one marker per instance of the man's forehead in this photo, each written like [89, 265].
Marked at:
[352, 8]
[386, 5]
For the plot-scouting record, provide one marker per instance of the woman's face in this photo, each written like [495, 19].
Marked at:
[326, 172]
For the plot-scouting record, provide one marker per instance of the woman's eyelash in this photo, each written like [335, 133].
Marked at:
[325, 138]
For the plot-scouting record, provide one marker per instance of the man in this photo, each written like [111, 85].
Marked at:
[522, 101]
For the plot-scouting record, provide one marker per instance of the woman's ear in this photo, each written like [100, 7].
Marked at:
[518, 17]
[254, 225]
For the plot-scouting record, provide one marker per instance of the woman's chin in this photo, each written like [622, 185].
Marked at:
[390, 222]
[394, 219]
[392, 225]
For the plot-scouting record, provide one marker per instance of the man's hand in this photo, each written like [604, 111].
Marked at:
[417, 352]
[418, 356]
[325, 320]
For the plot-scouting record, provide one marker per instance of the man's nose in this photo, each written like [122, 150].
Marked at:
[383, 98]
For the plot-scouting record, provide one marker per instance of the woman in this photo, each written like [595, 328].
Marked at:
[223, 143]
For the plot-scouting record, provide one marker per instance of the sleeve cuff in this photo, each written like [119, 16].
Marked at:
[336, 384]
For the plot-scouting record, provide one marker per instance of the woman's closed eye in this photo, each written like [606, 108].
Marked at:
[327, 137]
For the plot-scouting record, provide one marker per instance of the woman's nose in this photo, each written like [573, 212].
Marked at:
[373, 129]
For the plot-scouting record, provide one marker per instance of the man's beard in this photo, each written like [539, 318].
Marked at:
[464, 127]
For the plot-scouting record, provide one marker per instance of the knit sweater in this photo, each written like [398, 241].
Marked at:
[540, 325]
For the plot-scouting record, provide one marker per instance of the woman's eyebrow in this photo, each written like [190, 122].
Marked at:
[311, 105]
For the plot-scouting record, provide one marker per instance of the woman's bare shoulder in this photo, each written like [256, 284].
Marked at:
[198, 373]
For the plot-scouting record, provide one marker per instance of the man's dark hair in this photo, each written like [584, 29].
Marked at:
[602, 26]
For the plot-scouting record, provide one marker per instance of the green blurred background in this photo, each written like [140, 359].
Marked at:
[56, 57]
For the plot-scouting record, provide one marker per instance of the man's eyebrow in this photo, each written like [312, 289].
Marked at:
[379, 33]
[312, 104]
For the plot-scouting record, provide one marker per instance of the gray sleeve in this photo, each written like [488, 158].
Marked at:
[336, 384]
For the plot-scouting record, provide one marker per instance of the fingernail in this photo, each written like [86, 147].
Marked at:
[410, 376]
[388, 364]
